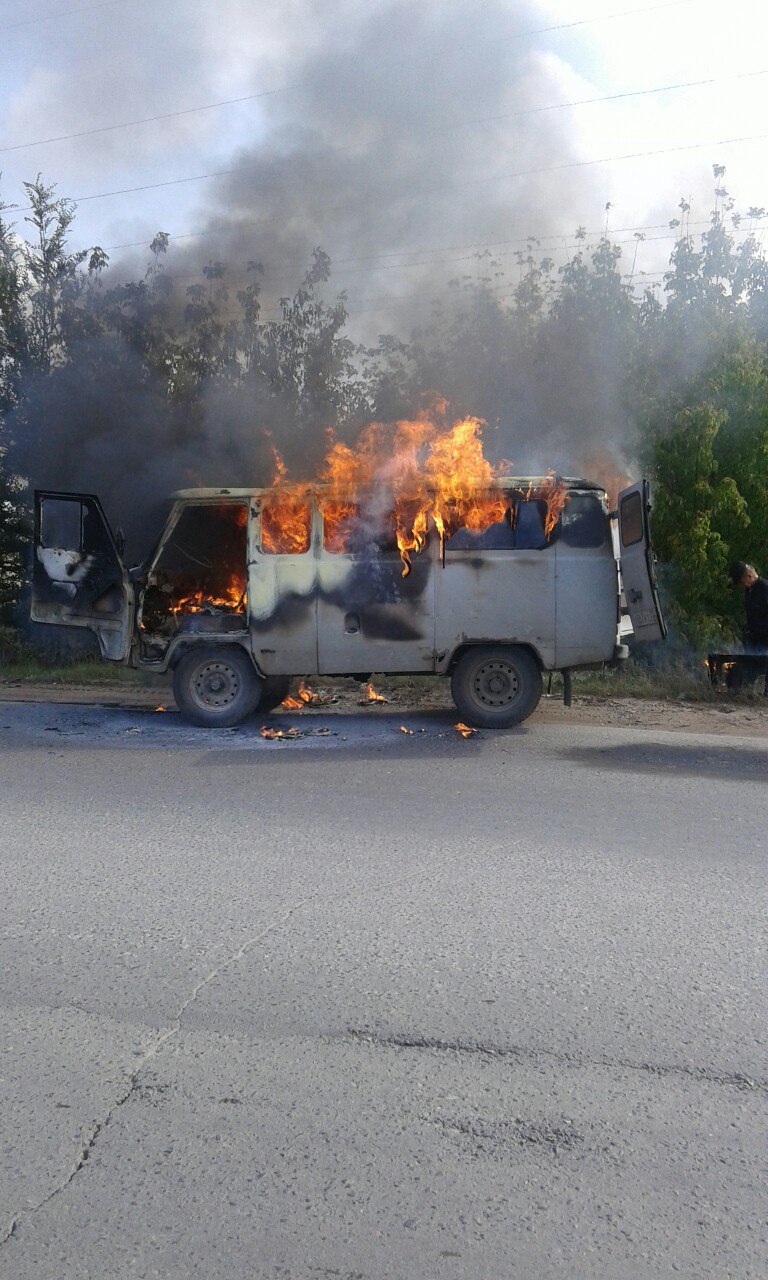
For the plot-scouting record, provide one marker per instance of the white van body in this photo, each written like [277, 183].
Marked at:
[215, 586]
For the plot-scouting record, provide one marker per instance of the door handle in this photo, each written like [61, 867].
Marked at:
[351, 624]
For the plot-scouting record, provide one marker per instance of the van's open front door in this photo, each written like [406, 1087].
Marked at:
[637, 570]
[78, 579]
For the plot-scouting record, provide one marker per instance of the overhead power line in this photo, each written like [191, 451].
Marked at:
[518, 173]
[61, 13]
[459, 124]
[638, 155]
[614, 97]
[152, 186]
[567, 243]
[113, 4]
[493, 245]
[127, 124]
[605, 17]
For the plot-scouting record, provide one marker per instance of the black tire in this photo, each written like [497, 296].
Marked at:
[274, 691]
[496, 687]
[216, 686]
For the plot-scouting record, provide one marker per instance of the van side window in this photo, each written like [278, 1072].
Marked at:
[484, 525]
[351, 529]
[631, 519]
[583, 522]
[286, 526]
[61, 524]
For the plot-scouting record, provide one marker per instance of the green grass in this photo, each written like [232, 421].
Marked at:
[681, 681]
[20, 663]
[90, 671]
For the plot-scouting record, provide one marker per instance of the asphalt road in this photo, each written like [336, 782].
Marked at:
[379, 1006]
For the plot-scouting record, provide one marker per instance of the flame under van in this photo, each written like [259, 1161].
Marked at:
[246, 590]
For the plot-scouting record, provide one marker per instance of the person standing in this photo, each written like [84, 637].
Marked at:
[755, 604]
[755, 634]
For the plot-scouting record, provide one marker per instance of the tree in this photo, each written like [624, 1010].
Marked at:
[14, 351]
[55, 281]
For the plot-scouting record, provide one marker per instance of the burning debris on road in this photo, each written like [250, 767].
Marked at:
[292, 734]
[371, 698]
[305, 697]
[464, 730]
[275, 735]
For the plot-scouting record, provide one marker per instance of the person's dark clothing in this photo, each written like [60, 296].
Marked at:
[756, 608]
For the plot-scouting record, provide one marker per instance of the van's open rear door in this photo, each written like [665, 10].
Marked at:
[78, 579]
[637, 570]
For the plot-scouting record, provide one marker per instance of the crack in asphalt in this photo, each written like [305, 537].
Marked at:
[173, 1029]
[736, 1079]
[132, 1082]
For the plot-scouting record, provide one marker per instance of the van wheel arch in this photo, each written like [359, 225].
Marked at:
[458, 653]
[204, 642]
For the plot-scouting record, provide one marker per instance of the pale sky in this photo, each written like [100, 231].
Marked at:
[392, 133]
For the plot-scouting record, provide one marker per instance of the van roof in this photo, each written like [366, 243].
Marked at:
[501, 482]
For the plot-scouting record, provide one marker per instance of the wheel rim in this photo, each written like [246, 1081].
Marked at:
[215, 686]
[496, 685]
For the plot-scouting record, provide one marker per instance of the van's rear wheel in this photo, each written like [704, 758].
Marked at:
[216, 687]
[496, 687]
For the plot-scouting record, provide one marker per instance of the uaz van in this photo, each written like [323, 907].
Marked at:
[248, 588]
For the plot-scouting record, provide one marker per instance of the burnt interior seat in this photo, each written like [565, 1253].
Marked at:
[529, 527]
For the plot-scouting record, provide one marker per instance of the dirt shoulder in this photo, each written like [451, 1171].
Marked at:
[749, 719]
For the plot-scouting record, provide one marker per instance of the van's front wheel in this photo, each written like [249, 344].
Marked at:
[496, 687]
[216, 687]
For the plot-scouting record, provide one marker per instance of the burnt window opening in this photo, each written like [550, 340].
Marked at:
[74, 524]
[352, 528]
[631, 519]
[201, 568]
[508, 523]
[583, 521]
[286, 526]
[61, 524]
[497, 534]
[76, 560]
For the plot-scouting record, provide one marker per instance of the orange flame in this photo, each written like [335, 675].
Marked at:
[232, 599]
[464, 729]
[404, 730]
[292, 704]
[554, 493]
[308, 696]
[399, 480]
[276, 735]
[371, 697]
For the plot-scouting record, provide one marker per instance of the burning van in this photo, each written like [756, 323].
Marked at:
[491, 587]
